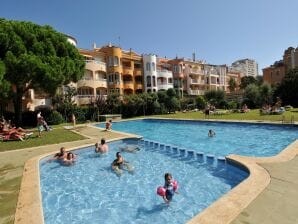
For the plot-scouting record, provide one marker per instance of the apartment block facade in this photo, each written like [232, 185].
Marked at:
[247, 67]
[110, 69]
[275, 73]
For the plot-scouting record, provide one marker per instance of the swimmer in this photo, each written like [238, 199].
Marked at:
[70, 159]
[102, 147]
[211, 133]
[169, 187]
[119, 163]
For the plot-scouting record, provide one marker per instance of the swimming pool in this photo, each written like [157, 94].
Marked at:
[90, 192]
[231, 138]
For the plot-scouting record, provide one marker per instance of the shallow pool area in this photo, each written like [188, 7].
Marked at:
[247, 139]
[90, 192]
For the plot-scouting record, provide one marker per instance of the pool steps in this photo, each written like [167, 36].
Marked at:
[200, 157]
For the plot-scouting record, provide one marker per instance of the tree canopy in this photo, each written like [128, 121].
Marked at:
[36, 57]
[247, 80]
[287, 90]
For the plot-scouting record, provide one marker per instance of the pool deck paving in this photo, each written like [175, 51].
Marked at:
[268, 195]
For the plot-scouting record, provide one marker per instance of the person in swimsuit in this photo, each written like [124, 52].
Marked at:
[169, 186]
[70, 159]
[102, 147]
[119, 163]
[211, 133]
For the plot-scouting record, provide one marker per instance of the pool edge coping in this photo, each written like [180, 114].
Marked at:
[224, 210]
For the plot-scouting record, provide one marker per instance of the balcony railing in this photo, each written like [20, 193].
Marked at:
[96, 62]
[196, 92]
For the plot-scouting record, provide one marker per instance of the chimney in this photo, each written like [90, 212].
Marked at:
[110, 44]
[193, 56]
[94, 45]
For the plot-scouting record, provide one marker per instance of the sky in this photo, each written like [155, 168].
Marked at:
[217, 31]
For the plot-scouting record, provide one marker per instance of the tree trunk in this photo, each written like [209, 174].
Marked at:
[18, 106]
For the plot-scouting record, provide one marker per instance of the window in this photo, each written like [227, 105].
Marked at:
[170, 80]
[111, 78]
[175, 68]
[110, 62]
[180, 68]
[148, 67]
[117, 78]
[148, 81]
[154, 81]
[85, 91]
[116, 61]
[153, 66]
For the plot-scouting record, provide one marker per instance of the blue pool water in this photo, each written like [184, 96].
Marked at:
[231, 138]
[90, 192]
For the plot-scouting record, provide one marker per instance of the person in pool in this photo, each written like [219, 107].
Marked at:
[211, 133]
[102, 147]
[169, 187]
[119, 164]
[70, 159]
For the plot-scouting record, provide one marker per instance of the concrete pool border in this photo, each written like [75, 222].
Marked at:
[224, 210]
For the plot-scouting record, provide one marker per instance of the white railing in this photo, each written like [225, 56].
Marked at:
[196, 92]
[197, 81]
[96, 62]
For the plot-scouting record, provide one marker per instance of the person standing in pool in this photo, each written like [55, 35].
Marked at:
[102, 147]
[119, 164]
[169, 187]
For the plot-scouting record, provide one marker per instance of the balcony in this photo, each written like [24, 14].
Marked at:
[138, 86]
[164, 86]
[128, 85]
[164, 74]
[196, 82]
[196, 71]
[92, 83]
[196, 92]
[85, 99]
[137, 72]
[96, 65]
[127, 70]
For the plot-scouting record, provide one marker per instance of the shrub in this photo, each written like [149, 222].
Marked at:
[55, 118]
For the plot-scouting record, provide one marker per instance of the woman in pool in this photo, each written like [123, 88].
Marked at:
[70, 159]
[119, 164]
[170, 188]
[102, 147]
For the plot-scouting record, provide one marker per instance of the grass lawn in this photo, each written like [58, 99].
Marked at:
[57, 135]
[251, 115]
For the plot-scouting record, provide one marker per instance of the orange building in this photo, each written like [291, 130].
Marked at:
[275, 73]
[124, 70]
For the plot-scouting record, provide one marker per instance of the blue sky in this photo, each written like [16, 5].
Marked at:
[218, 31]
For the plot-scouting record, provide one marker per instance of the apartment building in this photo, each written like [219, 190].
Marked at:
[124, 70]
[275, 73]
[290, 58]
[157, 73]
[93, 84]
[247, 67]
